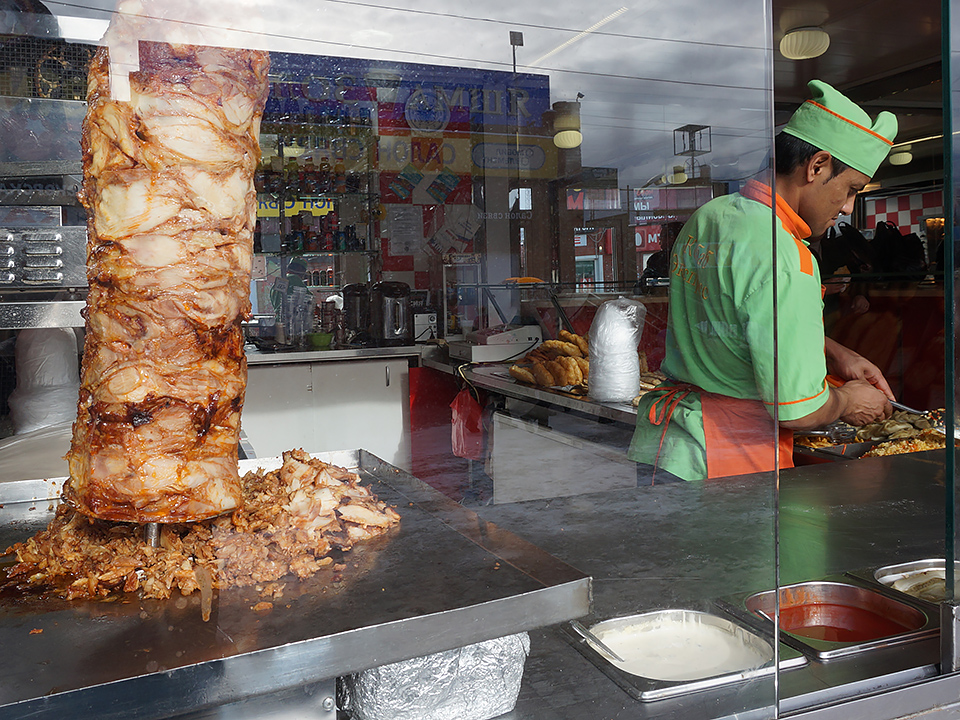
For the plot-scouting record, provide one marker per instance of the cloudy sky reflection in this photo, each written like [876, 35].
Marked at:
[644, 69]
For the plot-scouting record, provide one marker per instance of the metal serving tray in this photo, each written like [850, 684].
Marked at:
[759, 608]
[443, 579]
[650, 689]
[887, 575]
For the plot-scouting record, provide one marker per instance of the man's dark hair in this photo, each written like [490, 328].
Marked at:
[790, 152]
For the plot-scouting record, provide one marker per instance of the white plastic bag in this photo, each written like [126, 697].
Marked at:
[614, 362]
[48, 379]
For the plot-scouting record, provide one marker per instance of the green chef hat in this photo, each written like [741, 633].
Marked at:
[834, 123]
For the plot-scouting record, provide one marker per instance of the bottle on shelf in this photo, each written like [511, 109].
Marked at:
[340, 176]
[274, 178]
[308, 177]
[323, 175]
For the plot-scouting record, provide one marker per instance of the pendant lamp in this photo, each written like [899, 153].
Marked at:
[901, 155]
[804, 43]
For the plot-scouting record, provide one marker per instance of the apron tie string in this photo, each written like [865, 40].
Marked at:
[661, 412]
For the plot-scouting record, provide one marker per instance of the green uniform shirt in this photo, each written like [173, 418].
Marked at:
[720, 327]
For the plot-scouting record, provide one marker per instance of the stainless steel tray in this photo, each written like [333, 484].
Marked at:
[443, 579]
[758, 610]
[650, 689]
[887, 575]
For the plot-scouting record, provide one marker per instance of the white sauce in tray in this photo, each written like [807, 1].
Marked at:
[680, 649]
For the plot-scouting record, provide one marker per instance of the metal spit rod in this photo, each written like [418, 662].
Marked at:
[151, 534]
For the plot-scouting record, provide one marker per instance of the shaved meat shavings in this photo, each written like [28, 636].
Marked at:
[926, 440]
[291, 522]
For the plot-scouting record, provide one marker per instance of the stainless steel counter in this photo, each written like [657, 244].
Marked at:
[258, 357]
[496, 377]
[442, 579]
[683, 545]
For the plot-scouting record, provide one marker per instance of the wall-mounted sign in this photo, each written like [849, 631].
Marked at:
[421, 98]
[270, 207]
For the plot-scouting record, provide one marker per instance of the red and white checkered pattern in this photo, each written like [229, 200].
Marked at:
[904, 211]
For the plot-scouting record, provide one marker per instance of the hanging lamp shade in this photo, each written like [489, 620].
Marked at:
[804, 43]
[678, 176]
[566, 125]
[901, 155]
[568, 139]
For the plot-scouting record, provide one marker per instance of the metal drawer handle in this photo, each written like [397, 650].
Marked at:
[42, 249]
[43, 278]
[388, 375]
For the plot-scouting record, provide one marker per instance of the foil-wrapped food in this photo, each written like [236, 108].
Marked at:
[170, 145]
[476, 682]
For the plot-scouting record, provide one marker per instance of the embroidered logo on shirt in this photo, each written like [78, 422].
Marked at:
[688, 260]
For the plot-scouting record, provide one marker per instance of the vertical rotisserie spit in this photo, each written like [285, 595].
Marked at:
[168, 189]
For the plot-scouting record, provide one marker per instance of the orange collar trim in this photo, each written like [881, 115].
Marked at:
[856, 125]
[791, 222]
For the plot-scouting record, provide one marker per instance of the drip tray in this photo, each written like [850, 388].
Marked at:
[833, 618]
[668, 653]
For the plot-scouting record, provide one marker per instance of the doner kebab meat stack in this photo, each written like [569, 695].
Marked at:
[170, 145]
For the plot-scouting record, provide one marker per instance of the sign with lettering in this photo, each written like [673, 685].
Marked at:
[425, 98]
[270, 207]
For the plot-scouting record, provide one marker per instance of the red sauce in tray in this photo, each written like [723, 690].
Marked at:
[838, 623]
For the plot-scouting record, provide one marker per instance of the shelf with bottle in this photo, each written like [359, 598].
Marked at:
[311, 161]
[327, 237]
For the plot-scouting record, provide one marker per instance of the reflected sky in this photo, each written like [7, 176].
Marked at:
[643, 68]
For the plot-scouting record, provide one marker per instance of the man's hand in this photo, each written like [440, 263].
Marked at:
[856, 402]
[848, 365]
[862, 403]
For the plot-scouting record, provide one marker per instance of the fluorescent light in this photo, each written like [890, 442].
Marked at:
[593, 28]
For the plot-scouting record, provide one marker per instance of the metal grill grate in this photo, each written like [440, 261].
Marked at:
[44, 68]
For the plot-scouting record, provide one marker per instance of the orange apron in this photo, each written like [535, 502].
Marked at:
[737, 432]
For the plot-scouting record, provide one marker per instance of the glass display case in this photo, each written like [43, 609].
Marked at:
[513, 169]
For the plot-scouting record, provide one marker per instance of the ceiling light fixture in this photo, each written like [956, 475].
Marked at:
[804, 43]
[678, 176]
[566, 125]
[902, 156]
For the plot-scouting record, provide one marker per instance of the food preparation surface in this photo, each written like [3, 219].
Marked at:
[682, 545]
[442, 579]
[497, 378]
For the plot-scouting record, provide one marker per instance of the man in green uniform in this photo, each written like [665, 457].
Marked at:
[728, 379]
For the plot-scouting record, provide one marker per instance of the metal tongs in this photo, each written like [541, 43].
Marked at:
[838, 434]
[594, 640]
[939, 424]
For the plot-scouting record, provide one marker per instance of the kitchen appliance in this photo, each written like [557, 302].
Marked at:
[390, 319]
[496, 344]
[356, 314]
[424, 326]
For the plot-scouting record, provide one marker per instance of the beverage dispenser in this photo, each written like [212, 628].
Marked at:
[390, 319]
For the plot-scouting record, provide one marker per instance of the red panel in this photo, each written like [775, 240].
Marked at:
[396, 263]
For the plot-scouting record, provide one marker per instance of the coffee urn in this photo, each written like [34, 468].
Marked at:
[390, 319]
[356, 314]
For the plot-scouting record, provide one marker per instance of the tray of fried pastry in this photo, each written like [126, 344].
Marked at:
[561, 364]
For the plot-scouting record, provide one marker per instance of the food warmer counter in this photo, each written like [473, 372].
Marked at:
[691, 546]
[442, 579]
